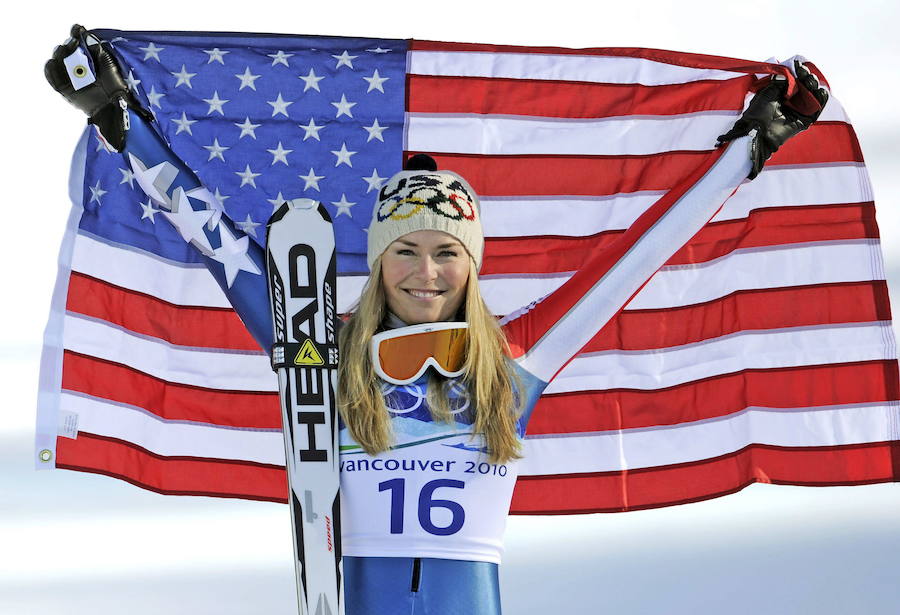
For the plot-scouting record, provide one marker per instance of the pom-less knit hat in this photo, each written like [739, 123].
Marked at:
[422, 198]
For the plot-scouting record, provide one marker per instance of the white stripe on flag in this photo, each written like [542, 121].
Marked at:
[569, 216]
[770, 267]
[186, 285]
[770, 349]
[593, 452]
[796, 187]
[173, 438]
[563, 215]
[662, 446]
[630, 136]
[145, 273]
[833, 112]
[564, 67]
[229, 370]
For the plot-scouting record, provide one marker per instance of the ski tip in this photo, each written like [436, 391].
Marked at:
[287, 206]
[303, 204]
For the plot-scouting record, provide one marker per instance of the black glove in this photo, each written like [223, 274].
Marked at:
[776, 118]
[84, 71]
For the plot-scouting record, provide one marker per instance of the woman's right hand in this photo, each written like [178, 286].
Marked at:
[85, 72]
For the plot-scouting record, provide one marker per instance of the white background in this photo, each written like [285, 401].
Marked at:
[73, 543]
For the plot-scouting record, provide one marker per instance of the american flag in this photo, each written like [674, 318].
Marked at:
[761, 352]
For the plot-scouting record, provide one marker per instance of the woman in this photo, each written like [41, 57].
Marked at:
[426, 479]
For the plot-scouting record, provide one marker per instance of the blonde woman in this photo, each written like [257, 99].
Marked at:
[428, 450]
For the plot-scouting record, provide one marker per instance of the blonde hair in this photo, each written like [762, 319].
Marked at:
[489, 380]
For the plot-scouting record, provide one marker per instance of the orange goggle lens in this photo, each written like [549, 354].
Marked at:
[401, 358]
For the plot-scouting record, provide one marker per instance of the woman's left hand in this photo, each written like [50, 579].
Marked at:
[776, 118]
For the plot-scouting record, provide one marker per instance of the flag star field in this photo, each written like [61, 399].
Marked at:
[260, 125]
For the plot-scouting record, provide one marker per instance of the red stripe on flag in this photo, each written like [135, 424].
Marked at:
[532, 174]
[522, 175]
[582, 493]
[169, 400]
[793, 387]
[572, 99]
[763, 227]
[206, 327]
[172, 475]
[822, 142]
[743, 310]
[857, 464]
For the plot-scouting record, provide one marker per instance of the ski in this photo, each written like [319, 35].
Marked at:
[301, 265]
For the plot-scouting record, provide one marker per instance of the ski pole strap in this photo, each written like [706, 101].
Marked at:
[307, 353]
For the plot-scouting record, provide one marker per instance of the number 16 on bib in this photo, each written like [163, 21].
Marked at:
[300, 259]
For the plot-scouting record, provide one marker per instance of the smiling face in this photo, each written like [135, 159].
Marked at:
[424, 276]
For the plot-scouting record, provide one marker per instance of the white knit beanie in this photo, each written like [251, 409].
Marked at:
[422, 198]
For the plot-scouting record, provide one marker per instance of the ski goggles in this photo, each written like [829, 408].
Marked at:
[402, 355]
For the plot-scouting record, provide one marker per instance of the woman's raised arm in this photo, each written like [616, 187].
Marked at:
[545, 335]
[85, 72]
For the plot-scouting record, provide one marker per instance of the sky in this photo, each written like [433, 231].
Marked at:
[76, 543]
